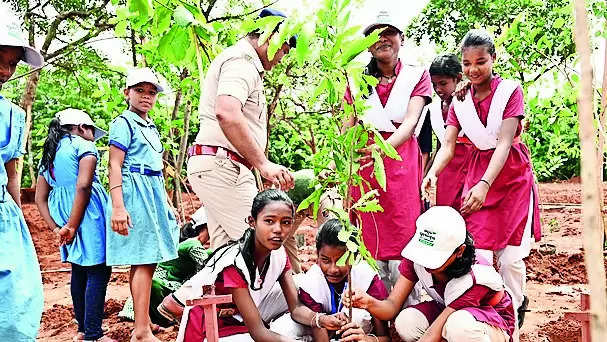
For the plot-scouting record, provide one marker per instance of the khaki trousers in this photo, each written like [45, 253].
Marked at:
[227, 189]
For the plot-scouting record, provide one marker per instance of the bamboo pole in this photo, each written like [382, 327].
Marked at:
[591, 211]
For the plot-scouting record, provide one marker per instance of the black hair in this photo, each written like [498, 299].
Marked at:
[328, 234]
[446, 65]
[476, 37]
[462, 265]
[246, 244]
[55, 133]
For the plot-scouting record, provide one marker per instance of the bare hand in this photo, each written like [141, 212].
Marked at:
[475, 198]
[352, 332]
[461, 89]
[333, 322]
[360, 299]
[277, 174]
[121, 221]
[366, 159]
[429, 186]
[66, 235]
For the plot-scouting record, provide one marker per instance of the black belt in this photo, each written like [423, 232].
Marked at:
[145, 171]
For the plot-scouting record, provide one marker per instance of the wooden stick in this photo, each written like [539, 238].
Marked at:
[591, 211]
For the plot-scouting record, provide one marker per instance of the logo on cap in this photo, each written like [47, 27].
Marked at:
[427, 237]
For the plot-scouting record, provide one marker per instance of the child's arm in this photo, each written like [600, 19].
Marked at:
[84, 182]
[382, 309]
[121, 219]
[252, 319]
[13, 186]
[304, 315]
[434, 332]
[442, 158]
[41, 199]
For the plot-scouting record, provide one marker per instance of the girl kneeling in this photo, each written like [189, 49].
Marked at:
[469, 303]
[248, 269]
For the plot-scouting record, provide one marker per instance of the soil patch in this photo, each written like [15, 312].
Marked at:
[557, 269]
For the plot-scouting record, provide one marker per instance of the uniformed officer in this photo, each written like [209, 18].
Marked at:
[233, 137]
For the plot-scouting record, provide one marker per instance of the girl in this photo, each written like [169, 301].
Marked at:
[21, 298]
[395, 105]
[469, 298]
[321, 288]
[71, 199]
[500, 199]
[445, 73]
[143, 230]
[248, 269]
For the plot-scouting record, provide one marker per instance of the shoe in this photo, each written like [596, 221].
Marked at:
[171, 309]
[522, 310]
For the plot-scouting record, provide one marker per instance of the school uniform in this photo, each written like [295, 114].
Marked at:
[86, 252]
[227, 269]
[508, 221]
[483, 306]
[21, 299]
[154, 236]
[319, 295]
[401, 201]
[450, 182]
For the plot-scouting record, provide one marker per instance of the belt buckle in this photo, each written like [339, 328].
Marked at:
[222, 153]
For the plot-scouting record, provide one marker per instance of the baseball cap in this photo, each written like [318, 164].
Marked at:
[11, 34]
[383, 19]
[142, 75]
[77, 117]
[266, 12]
[440, 231]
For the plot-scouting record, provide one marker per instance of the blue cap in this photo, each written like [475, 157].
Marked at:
[266, 12]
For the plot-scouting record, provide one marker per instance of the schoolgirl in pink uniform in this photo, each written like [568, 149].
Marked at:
[500, 198]
[445, 73]
[395, 107]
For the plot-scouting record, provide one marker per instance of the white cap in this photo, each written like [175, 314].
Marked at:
[383, 19]
[200, 217]
[11, 34]
[440, 231]
[142, 75]
[77, 117]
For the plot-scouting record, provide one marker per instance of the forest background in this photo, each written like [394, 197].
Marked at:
[179, 38]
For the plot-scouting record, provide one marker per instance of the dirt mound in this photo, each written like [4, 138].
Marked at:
[562, 330]
[557, 269]
[57, 319]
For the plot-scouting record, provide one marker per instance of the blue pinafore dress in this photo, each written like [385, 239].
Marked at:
[155, 235]
[88, 246]
[21, 299]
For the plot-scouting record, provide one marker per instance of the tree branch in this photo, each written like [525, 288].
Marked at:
[230, 17]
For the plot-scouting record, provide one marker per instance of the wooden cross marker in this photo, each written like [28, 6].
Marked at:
[582, 317]
[209, 304]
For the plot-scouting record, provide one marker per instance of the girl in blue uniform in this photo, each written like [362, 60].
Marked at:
[21, 300]
[142, 231]
[71, 199]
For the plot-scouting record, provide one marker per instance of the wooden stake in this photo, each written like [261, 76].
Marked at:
[591, 211]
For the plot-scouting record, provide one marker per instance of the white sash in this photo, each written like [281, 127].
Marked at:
[484, 137]
[484, 274]
[396, 107]
[315, 283]
[232, 257]
[439, 125]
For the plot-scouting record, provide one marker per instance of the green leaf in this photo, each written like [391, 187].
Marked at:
[162, 20]
[142, 7]
[378, 169]
[342, 261]
[314, 197]
[365, 197]
[182, 16]
[356, 46]
[175, 44]
[558, 23]
[344, 235]
[120, 29]
[385, 147]
[372, 206]
[352, 246]
[303, 42]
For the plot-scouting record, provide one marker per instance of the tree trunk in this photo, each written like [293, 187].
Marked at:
[27, 102]
[181, 158]
[591, 211]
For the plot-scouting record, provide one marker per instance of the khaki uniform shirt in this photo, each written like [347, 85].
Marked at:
[237, 72]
